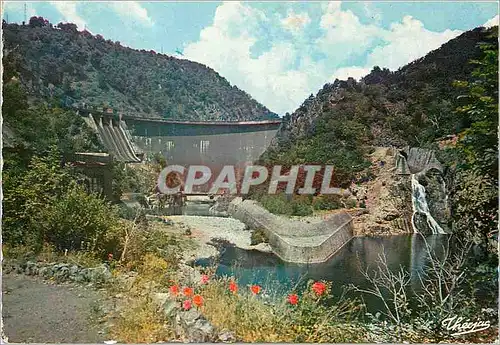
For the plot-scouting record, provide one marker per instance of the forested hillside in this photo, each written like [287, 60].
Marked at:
[412, 106]
[450, 93]
[61, 63]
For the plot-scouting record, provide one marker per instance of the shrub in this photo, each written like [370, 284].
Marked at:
[288, 205]
[258, 236]
[277, 204]
[327, 202]
[350, 203]
[78, 220]
[301, 208]
[156, 241]
[27, 195]
[126, 212]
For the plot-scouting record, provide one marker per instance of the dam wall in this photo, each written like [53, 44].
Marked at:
[296, 241]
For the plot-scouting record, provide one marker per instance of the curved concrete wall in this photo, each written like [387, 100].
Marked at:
[295, 241]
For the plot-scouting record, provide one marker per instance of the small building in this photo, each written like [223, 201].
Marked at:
[96, 171]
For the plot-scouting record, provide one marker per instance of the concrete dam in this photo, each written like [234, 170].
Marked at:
[214, 143]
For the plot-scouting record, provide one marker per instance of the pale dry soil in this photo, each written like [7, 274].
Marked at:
[35, 310]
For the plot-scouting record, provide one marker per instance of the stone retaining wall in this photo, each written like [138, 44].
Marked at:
[296, 241]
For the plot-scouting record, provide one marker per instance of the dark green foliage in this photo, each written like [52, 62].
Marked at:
[301, 207]
[45, 205]
[126, 212]
[258, 236]
[38, 128]
[277, 204]
[327, 202]
[78, 220]
[412, 106]
[476, 155]
[77, 67]
[287, 205]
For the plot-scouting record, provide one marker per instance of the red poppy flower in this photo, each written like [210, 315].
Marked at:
[319, 288]
[186, 305]
[198, 300]
[255, 289]
[188, 292]
[174, 290]
[293, 299]
[233, 287]
[204, 279]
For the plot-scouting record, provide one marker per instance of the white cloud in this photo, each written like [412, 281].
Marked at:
[492, 22]
[407, 41]
[68, 10]
[283, 75]
[295, 22]
[132, 10]
[344, 35]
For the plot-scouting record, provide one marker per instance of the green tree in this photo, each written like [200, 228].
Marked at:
[476, 198]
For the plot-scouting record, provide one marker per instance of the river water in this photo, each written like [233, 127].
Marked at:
[344, 268]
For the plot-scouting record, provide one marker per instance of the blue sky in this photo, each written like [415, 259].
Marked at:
[278, 52]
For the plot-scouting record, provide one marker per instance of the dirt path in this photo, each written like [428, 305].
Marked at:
[35, 311]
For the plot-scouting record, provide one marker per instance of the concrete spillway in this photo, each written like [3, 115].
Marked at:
[115, 139]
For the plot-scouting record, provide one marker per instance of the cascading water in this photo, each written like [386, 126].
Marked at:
[420, 206]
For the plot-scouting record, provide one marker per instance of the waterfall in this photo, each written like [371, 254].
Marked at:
[419, 203]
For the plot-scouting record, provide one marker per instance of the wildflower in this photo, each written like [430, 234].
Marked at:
[233, 287]
[174, 290]
[319, 288]
[110, 256]
[186, 305]
[293, 299]
[198, 300]
[255, 289]
[204, 279]
[188, 291]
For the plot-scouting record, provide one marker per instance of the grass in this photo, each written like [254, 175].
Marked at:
[255, 318]
[140, 322]
[48, 254]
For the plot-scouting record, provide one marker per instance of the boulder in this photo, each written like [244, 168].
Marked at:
[196, 328]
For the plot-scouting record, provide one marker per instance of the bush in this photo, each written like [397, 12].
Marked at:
[258, 236]
[78, 220]
[277, 204]
[327, 202]
[126, 212]
[156, 241]
[280, 204]
[301, 208]
[27, 195]
[350, 203]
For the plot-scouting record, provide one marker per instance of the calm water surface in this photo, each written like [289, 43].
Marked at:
[267, 270]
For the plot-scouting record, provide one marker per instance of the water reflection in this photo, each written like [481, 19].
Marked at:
[409, 251]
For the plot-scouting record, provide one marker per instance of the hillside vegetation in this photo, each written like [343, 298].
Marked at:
[77, 67]
[414, 106]
[451, 92]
